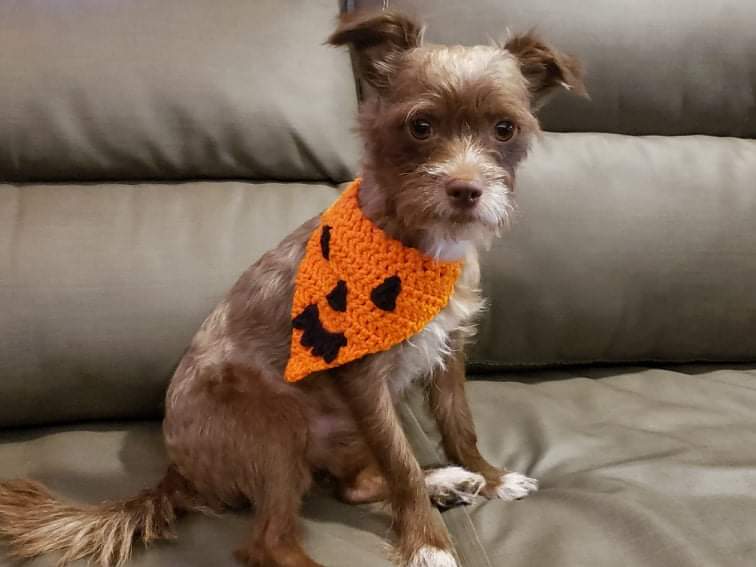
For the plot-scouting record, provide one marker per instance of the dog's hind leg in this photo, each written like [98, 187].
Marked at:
[277, 487]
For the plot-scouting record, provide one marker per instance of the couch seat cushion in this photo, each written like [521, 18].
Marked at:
[98, 462]
[638, 466]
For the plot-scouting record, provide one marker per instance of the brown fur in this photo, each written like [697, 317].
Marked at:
[448, 403]
[544, 68]
[378, 42]
[35, 522]
[235, 431]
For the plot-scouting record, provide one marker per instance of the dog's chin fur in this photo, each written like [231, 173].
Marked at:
[478, 227]
[451, 239]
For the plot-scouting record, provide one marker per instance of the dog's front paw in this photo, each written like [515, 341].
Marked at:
[429, 556]
[452, 486]
[514, 486]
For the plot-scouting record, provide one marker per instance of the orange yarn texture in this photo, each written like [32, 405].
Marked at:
[359, 292]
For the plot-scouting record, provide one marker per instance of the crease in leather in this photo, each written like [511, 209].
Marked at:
[467, 545]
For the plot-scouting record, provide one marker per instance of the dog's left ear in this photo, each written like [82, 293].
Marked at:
[545, 68]
[378, 40]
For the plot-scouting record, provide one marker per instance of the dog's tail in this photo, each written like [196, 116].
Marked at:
[35, 523]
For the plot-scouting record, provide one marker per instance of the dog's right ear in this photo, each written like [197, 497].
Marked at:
[377, 40]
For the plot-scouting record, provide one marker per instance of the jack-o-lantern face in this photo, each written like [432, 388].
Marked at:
[359, 292]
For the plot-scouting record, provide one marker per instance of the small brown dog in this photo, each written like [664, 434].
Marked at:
[444, 131]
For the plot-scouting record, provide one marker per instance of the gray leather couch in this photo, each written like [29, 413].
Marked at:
[149, 151]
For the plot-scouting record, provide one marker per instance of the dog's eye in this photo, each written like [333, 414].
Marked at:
[421, 128]
[505, 130]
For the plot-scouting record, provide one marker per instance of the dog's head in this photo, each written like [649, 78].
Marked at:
[447, 125]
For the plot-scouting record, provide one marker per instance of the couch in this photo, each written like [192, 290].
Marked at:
[150, 151]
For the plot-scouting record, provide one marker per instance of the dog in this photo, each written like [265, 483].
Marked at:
[444, 129]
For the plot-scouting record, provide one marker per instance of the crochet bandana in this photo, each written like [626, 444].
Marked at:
[359, 292]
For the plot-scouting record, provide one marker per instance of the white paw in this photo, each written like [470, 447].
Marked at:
[428, 556]
[451, 486]
[515, 485]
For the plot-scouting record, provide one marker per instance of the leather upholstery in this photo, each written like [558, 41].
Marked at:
[103, 286]
[176, 89]
[92, 463]
[638, 466]
[627, 249]
[630, 475]
[653, 67]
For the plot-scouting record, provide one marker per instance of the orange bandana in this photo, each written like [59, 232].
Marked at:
[359, 291]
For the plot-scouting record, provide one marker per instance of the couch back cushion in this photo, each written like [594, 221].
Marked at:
[626, 248]
[102, 286]
[672, 67]
[174, 89]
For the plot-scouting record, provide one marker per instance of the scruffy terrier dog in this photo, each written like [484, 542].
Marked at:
[444, 131]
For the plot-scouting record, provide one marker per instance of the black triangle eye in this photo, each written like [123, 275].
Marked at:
[337, 298]
[325, 242]
[384, 295]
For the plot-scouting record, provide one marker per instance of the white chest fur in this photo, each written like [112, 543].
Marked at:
[430, 348]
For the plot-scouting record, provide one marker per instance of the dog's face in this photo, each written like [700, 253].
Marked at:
[447, 134]
[448, 125]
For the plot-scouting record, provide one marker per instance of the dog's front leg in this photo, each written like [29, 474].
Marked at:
[423, 541]
[448, 402]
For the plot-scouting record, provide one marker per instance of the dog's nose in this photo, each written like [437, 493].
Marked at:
[464, 193]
